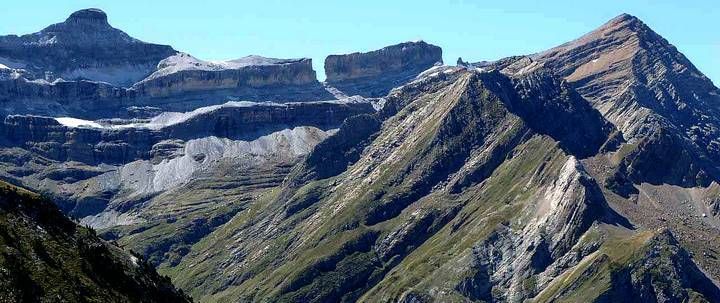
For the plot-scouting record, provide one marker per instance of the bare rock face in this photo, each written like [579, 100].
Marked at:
[86, 99]
[84, 46]
[183, 73]
[374, 73]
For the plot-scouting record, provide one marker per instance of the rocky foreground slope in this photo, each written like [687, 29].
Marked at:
[44, 257]
[585, 173]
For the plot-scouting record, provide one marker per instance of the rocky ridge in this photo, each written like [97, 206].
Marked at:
[653, 94]
[385, 224]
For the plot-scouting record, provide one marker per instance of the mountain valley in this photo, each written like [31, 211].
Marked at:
[588, 172]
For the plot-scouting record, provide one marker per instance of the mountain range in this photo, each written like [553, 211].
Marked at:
[588, 172]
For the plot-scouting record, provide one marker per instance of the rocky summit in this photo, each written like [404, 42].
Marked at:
[588, 172]
[84, 46]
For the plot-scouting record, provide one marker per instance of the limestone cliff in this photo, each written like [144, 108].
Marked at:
[183, 73]
[373, 74]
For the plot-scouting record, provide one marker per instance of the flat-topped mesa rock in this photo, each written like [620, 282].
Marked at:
[180, 83]
[375, 73]
[84, 46]
[183, 73]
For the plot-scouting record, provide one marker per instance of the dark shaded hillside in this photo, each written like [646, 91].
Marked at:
[44, 257]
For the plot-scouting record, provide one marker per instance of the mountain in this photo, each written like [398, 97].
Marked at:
[182, 73]
[584, 173]
[44, 257]
[84, 46]
[431, 210]
[652, 93]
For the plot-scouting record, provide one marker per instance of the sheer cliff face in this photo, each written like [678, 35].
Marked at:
[374, 73]
[84, 46]
[182, 73]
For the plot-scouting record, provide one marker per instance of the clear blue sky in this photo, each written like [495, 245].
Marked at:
[475, 30]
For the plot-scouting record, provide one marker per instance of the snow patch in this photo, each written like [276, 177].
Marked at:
[166, 119]
[134, 260]
[11, 64]
[171, 118]
[75, 122]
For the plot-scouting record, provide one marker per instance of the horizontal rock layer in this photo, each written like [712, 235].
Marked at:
[49, 138]
[186, 75]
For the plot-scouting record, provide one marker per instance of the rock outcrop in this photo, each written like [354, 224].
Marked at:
[374, 73]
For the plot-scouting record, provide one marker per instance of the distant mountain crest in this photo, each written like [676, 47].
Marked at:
[84, 46]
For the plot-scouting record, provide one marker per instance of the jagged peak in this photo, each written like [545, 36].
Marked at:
[622, 27]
